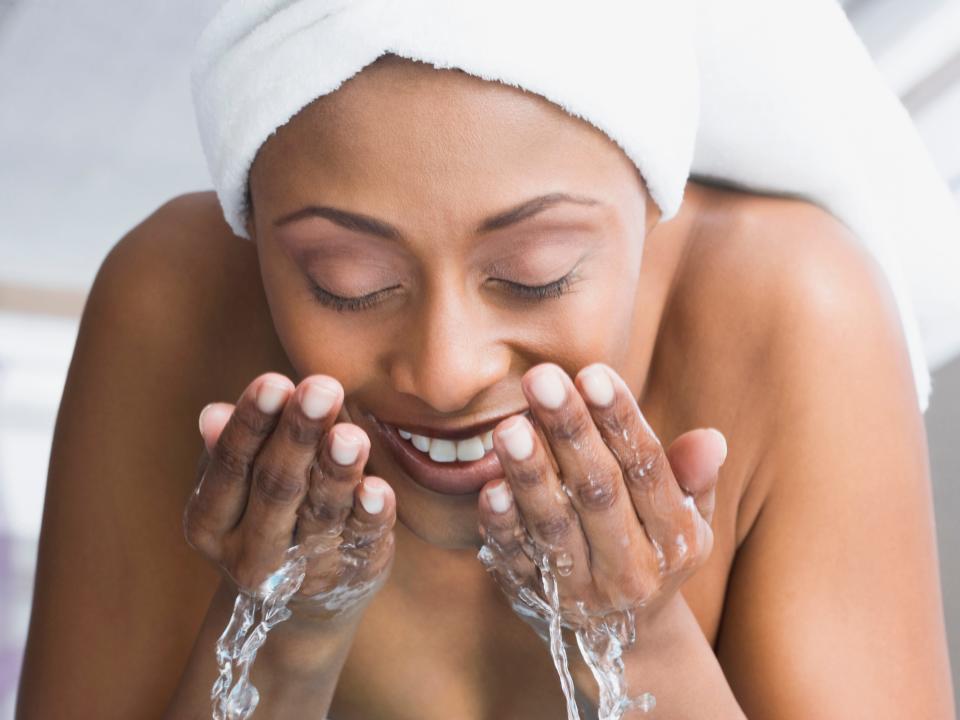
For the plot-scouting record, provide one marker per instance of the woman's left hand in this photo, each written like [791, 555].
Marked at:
[621, 521]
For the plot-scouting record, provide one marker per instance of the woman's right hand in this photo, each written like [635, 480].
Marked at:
[277, 471]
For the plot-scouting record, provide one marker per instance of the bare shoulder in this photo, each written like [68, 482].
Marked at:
[175, 319]
[197, 283]
[778, 307]
[795, 342]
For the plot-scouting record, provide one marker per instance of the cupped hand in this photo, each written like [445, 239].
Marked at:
[278, 471]
[591, 496]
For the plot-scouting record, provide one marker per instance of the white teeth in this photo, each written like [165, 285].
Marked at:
[442, 450]
[470, 449]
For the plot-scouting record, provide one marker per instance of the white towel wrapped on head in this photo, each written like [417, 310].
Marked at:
[772, 96]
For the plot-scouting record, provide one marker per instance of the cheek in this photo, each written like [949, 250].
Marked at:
[597, 320]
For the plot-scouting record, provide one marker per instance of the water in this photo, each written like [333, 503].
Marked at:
[601, 638]
[237, 646]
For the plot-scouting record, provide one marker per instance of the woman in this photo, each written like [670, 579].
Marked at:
[401, 281]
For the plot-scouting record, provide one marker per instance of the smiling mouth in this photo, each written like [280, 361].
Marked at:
[449, 465]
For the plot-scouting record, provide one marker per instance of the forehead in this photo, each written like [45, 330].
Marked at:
[401, 126]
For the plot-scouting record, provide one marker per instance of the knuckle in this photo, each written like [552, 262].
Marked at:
[366, 536]
[526, 476]
[644, 466]
[322, 513]
[231, 459]
[277, 484]
[511, 548]
[616, 418]
[569, 426]
[599, 492]
[554, 528]
[252, 421]
[301, 430]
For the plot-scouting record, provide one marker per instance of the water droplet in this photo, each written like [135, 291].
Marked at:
[681, 546]
[645, 702]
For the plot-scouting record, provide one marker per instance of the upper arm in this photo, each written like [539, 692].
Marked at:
[833, 608]
[118, 593]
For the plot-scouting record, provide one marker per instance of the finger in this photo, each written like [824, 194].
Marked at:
[364, 551]
[696, 457]
[221, 494]
[545, 509]
[590, 472]
[280, 471]
[506, 553]
[367, 533]
[213, 418]
[333, 478]
[668, 515]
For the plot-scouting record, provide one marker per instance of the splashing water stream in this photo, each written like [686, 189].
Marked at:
[237, 646]
[601, 639]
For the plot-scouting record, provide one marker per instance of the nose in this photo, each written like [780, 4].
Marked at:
[453, 354]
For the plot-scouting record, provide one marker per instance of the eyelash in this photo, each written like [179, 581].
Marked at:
[342, 304]
[525, 292]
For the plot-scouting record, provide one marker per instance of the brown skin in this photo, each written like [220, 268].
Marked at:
[757, 316]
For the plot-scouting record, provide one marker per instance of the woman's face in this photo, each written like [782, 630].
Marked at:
[426, 237]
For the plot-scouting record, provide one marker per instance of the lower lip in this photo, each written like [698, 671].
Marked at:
[452, 478]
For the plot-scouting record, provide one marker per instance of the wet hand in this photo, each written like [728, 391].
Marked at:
[278, 470]
[621, 522]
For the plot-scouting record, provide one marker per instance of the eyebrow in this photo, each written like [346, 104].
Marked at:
[372, 226]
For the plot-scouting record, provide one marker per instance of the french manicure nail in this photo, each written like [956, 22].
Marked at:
[270, 397]
[200, 419]
[547, 387]
[344, 450]
[372, 498]
[499, 498]
[317, 400]
[518, 440]
[597, 386]
[723, 442]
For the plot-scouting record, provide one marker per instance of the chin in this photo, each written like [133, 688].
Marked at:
[440, 526]
[450, 522]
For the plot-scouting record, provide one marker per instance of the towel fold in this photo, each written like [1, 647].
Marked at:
[771, 96]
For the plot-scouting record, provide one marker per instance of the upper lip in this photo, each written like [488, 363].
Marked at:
[460, 433]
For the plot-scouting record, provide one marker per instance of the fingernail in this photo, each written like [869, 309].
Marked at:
[200, 419]
[317, 400]
[372, 498]
[517, 439]
[270, 397]
[723, 444]
[344, 450]
[547, 387]
[499, 498]
[597, 386]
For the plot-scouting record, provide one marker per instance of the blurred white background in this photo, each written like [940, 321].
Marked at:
[96, 131]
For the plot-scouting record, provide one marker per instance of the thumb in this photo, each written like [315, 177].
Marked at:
[695, 458]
